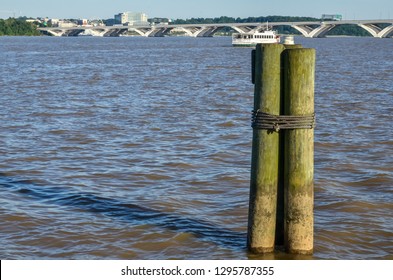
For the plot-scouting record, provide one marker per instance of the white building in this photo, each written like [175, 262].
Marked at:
[65, 23]
[54, 22]
[131, 18]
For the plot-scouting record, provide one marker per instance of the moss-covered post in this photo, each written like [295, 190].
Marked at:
[280, 193]
[299, 74]
[265, 151]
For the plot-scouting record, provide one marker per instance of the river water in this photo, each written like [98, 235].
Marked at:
[140, 148]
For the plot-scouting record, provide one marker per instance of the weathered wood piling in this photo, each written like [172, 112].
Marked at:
[299, 69]
[265, 151]
[281, 186]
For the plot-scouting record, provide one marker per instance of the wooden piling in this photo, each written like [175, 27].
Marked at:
[280, 237]
[253, 54]
[265, 151]
[299, 74]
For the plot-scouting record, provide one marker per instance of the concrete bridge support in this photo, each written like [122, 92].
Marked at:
[55, 32]
[114, 32]
[158, 32]
[203, 31]
[243, 29]
[387, 32]
[65, 32]
[98, 32]
[189, 31]
[312, 32]
[377, 31]
[152, 31]
[73, 33]
[208, 32]
[145, 32]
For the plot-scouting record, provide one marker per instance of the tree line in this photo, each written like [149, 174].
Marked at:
[225, 19]
[17, 27]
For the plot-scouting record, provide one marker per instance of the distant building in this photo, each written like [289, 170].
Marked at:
[131, 18]
[121, 18]
[161, 21]
[33, 20]
[54, 22]
[83, 22]
[97, 22]
[65, 23]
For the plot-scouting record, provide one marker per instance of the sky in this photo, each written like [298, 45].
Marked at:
[183, 9]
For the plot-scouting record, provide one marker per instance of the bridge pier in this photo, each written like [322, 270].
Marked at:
[73, 32]
[387, 32]
[98, 32]
[310, 32]
[200, 31]
[55, 32]
[243, 29]
[208, 32]
[376, 31]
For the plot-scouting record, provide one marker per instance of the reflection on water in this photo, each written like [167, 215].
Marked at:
[139, 148]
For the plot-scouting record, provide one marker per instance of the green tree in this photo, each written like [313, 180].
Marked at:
[17, 27]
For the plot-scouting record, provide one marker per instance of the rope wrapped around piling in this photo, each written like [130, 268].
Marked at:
[261, 120]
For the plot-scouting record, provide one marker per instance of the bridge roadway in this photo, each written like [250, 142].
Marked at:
[316, 29]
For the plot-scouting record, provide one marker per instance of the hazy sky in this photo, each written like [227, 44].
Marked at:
[350, 9]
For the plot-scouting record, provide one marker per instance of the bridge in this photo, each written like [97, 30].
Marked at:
[316, 29]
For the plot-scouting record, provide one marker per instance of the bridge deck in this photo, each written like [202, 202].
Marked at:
[308, 29]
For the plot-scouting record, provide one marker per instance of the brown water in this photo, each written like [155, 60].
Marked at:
[139, 148]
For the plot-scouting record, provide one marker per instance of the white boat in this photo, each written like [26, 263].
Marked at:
[253, 38]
